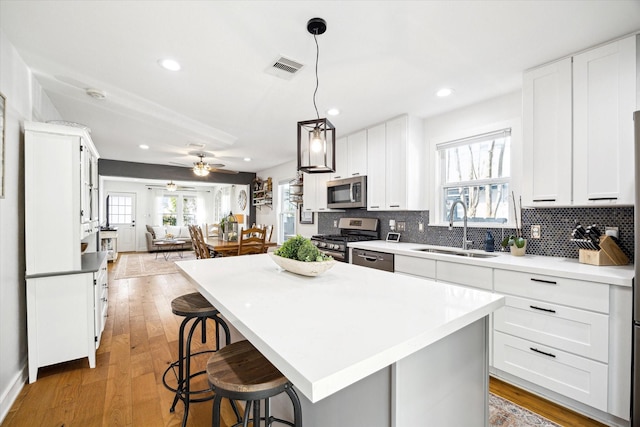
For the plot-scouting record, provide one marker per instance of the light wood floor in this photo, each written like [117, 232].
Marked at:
[139, 342]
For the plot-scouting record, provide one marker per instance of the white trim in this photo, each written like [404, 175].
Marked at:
[12, 392]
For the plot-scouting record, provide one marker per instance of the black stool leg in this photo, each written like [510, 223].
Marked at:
[247, 411]
[180, 359]
[297, 409]
[187, 384]
[215, 418]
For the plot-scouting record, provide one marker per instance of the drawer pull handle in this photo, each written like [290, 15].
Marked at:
[542, 352]
[551, 282]
[548, 310]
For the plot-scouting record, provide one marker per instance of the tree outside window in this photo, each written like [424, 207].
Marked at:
[169, 210]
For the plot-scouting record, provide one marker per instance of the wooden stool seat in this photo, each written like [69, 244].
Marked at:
[240, 372]
[192, 305]
[243, 369]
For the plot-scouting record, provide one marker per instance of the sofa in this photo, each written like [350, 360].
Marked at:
[157, 233]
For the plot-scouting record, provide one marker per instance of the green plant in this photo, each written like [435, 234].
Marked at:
[301, 249]
[515, 239]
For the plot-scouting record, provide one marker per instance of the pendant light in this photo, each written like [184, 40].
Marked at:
[201, 168]
[171, 186]
[317, 137]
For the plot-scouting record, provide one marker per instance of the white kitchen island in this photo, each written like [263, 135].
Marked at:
[363, 347]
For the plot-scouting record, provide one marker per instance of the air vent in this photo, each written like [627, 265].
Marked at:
[284, 68]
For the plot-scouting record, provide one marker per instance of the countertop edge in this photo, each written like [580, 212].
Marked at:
[536, 264]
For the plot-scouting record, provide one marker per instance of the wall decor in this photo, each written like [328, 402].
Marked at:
[306, 217]
[3, 120]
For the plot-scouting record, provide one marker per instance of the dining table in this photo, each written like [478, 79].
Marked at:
[226, 247]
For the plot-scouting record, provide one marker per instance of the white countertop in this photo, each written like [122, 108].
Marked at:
[327, 332]
[555, 266]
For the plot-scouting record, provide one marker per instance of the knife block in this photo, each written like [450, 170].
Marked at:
[609, 254]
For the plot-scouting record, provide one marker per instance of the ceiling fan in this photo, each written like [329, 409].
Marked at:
[201, 167]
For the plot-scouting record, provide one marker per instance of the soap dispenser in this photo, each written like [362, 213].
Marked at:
[489, 243]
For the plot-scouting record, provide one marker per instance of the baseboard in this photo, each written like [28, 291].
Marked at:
[9, 396]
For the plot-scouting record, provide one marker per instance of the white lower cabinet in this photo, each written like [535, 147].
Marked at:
[65, 317]
[576, 377]
[563, 338]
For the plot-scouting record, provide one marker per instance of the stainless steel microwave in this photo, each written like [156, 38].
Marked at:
[347, 193]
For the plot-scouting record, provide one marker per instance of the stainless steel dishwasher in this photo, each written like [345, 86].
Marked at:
[377, 260]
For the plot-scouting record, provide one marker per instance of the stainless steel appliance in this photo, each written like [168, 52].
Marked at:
[635, 378]
[347, 193]
[351, 230]
[373, 259]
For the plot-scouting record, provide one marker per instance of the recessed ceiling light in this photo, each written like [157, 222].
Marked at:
[445, 91]
[144, 146]
[169, 64]
[247, 159]
[333, 112]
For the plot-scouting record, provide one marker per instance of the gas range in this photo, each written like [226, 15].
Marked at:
[351, 230]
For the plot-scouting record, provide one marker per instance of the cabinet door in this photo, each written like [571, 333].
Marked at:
[546, 94]
[321, 191]
[396, 166]
[376, 179]
[342, 154]
[309, 199]
[604, 98]
[357, 157]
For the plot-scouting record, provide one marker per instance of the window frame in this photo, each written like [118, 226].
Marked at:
[441, 218]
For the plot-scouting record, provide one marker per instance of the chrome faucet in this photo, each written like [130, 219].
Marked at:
[465, 242]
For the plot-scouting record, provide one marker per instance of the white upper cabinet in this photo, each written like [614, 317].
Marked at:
[578, 128]
[341, 159]
[376, 180]
[547, 135]
[397, 159]
[604, 99]
[357, 154]
[314, 198]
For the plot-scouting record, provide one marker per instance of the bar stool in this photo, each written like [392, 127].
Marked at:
[240, 372]
[193, 307]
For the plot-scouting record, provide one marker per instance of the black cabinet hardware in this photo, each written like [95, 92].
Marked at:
[548, 310]
[551, 282]
[542, 352]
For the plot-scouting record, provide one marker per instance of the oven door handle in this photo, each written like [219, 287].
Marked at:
[368, 258]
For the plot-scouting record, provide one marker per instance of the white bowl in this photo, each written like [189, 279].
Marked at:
[313, 268]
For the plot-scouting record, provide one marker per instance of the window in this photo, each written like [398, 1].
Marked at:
[169, 210]
[120, 209]
[286, 213]
[189, 210]
[222, 205]
[478, 171]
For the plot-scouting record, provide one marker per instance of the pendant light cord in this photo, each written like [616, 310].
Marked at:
[315, 37]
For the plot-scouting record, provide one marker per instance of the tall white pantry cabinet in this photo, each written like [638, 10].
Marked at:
[66, 290]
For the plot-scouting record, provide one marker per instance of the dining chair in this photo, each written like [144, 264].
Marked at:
[194, 241]
[269, 233]
[251, 241]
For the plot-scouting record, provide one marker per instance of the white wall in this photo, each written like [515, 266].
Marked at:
[494, 114]
[284, 172]
[25, 102]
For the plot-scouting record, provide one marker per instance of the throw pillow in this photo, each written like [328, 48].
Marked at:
[150, 230]
[159, 232]
[184, 232]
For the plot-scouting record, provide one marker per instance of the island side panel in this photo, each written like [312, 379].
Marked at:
[430, 385]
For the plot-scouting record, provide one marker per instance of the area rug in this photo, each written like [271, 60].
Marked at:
[503, 413]
[147, 264]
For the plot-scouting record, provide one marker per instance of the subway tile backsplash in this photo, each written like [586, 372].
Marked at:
[556, 226]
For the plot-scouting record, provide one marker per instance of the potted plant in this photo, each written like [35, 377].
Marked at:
[516, 242]
[299, 255]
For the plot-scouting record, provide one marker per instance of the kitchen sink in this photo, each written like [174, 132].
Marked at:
[455, 252]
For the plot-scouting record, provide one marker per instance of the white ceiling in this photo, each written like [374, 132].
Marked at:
[378, 59]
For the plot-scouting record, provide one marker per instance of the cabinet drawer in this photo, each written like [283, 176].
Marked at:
[415, 266]
[558, 290]
[576, 377]
[577, 331]
[463, 274]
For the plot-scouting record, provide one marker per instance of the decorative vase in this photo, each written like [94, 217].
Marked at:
[516, 251]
